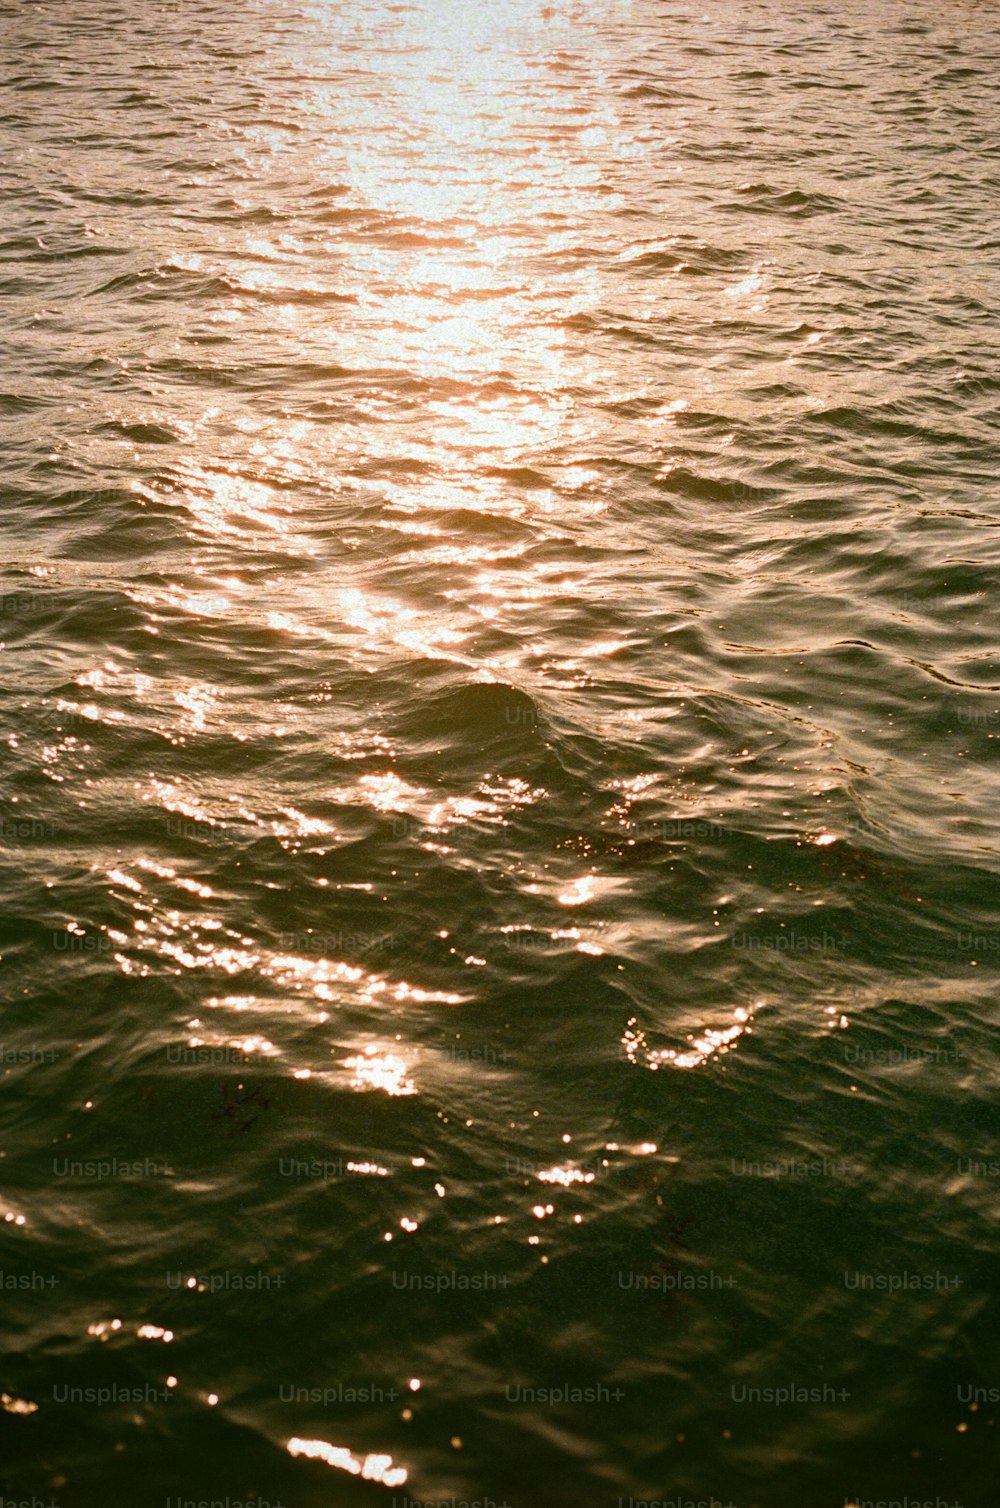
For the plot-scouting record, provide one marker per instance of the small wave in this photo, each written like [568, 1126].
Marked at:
[478, 712]
[761, 198]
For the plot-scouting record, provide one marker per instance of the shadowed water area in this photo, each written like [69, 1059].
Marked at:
[500, 715]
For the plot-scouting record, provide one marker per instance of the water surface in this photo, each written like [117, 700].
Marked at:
[500, 719]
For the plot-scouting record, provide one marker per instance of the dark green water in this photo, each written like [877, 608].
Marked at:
[500, 710]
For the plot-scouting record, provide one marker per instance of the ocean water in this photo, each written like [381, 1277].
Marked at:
[500, 712]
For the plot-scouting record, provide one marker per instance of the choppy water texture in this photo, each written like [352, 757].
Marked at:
[500, 715]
